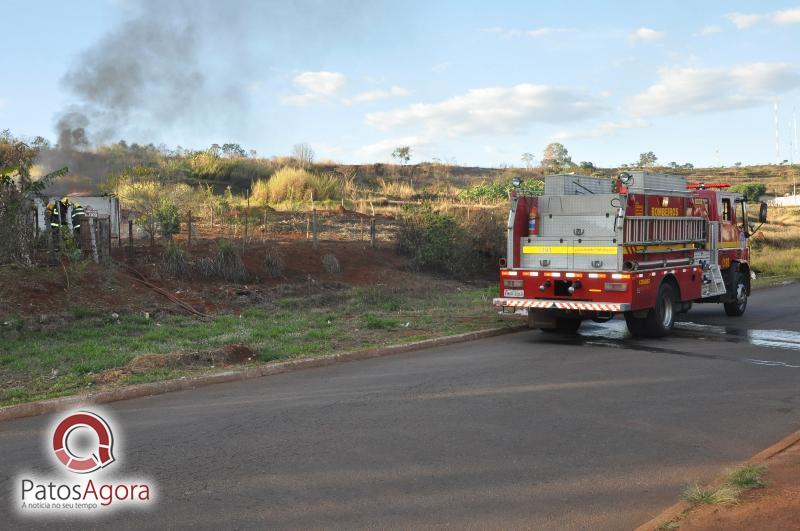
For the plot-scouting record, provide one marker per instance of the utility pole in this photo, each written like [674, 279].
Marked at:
[777, 135]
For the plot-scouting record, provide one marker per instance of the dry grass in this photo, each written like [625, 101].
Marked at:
[396, 189]
[776, 246]
[698, 495]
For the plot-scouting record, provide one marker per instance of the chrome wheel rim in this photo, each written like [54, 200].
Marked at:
[741, 295]
[667, 320]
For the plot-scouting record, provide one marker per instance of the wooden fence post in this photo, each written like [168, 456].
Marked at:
[93, 239]
[247, 219]
[189, 227]
[314, 226]
[372, 232]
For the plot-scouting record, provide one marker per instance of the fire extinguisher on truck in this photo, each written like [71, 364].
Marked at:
[645, 245]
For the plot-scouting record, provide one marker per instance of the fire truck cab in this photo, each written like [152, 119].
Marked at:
[645, 245]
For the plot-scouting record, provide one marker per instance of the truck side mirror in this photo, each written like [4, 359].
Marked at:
[762, 213]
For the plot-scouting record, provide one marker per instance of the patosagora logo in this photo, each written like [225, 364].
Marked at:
[82, 443]
[103, 455]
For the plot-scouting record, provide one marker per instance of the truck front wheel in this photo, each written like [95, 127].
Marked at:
[737, 307]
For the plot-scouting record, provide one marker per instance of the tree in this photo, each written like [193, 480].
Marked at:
[529, 159]
[587, 165]
[233, 151]
[402, 154]
[556, 156]
[647, 160]
[303, 154]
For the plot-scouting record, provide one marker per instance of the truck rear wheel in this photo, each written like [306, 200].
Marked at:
[564, 325]
[659, 320]
[737, 307]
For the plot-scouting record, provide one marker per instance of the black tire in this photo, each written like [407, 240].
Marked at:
[737, 307]
[635, 324]
[661, 318]
[564, 325]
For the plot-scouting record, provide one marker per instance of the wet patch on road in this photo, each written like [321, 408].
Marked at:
[614, 334]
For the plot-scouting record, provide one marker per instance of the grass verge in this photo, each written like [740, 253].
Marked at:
[88, 352]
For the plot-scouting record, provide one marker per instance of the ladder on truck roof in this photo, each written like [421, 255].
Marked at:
[656, 230]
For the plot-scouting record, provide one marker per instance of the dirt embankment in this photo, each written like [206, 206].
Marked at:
[47, 296]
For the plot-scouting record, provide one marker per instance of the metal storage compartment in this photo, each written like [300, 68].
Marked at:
[568, 184]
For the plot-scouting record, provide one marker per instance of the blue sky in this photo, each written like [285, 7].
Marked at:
[476, 83]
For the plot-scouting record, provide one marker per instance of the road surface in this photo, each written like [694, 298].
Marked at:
[525, 430]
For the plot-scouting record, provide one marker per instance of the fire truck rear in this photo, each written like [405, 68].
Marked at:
[644, 245]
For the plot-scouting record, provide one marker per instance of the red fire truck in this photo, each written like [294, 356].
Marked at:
[644, 245]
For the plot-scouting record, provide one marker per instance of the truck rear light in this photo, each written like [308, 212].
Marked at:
[531, 273]
[512, 283]
[620, 275]
[616, 286]
[509, 273]
[597, 275]
[555, 275]
[573, 275]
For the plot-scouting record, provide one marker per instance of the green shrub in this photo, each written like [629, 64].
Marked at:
[169, 218]
[748, 476]
[228, 264]
[463, 248]
[273, 261]
[175, 262]
[484, 192]
[326, 186]
[750, 191]
[432, 239]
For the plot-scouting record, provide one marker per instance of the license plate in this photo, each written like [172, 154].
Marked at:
[513, 293]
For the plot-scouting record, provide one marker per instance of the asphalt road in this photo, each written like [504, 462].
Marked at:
[525, 430]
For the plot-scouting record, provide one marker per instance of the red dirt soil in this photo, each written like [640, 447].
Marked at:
[42, 290]
[775, 507]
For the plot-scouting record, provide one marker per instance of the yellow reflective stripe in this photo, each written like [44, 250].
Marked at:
[569, 249]
[728, 245]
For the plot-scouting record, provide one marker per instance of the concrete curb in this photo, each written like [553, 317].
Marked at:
[44, 407]
[761, 457]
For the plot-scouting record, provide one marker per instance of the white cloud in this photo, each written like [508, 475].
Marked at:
[684, 90]
[743, 21]
[490, 110]
[709, 30]
[603, 129]
[780, 18]
[646, 35]
[315, 87]
[373, 95]
[532, 33]
[787, 16]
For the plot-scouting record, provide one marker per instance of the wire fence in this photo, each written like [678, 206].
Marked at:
[268, 224]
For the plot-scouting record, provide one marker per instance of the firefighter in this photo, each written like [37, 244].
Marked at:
[63, 210]
[78, 215]
[55, 222]
[52, 215]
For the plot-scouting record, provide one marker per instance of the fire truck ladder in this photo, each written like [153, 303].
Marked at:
[655, 230]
